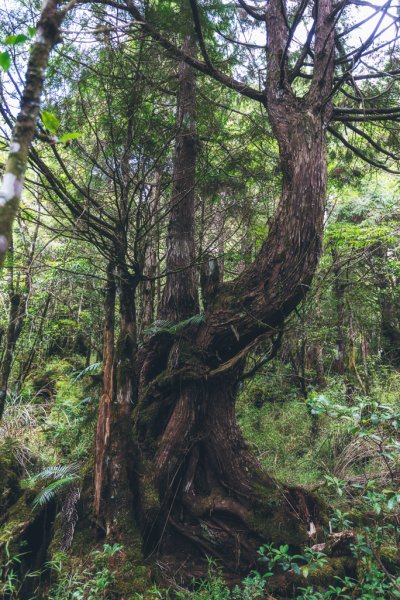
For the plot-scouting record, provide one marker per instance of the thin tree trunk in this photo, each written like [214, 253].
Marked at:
[148, 287]
[389, 321]
[317, 347]
[339, 288]
[180, 299]
[18, 308]
[26, 367]
[103, 420]
[25, 125]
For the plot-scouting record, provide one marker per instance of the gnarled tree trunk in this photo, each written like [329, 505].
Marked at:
[206, 492]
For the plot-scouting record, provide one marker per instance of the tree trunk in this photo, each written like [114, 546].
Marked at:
[26, 366]
[389, 315]
[339, 287]
[115, 458]
[15, 322]
[180, 299]
[148, 287]
[103, 420]
[204, 492]
[18, 307]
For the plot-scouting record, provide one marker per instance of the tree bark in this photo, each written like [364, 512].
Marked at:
[148, 288]
[339, 288]
[115, 463]
[389, 315]
[19, 297]
[103, 420]
[24, 129]
[180, 299]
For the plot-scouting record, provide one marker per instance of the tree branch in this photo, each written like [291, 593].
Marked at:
[24, 129]
[360, 154]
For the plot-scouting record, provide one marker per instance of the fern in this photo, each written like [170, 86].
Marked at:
[157, 327]
[88, 371]
[168, 326]
[50, 491]
[194, 321]
[61, 476]
[54, 472]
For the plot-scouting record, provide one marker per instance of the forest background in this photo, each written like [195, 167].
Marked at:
[141, 301]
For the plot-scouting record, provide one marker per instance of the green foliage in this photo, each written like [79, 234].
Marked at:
[14, 40]
[62, 476]
[10, 585]
[67, 137]
[278, 427]
[174, 328]
[5, 60]
[50, 121]
[90, 580]
[90, 370]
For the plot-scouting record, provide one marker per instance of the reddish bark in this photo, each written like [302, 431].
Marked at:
[103, 420]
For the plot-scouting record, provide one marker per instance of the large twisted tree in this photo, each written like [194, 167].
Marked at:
[194, 487]
[200, 488]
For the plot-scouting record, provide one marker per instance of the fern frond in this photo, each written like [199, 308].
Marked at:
[168, 326]
[54, 472]
[88, 371]
[194, 321]
[157, 327]
[50, 491]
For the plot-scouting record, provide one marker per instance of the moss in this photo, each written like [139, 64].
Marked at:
[131, 578]
[150, 501]
[9, 477]
[389, 556]
[335, 567]
[274, 522]
[17, 518]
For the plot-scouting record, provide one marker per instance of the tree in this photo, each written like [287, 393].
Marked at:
[194, 486]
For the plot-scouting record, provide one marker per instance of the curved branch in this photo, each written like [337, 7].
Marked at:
[199, 33]
[360, 154]
[251, 11]
[176, 52]
[373, 143]
[24, 129]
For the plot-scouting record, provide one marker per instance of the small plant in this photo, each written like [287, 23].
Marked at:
[339, 520]
[9, 581]
[92, 580]
[62, 476]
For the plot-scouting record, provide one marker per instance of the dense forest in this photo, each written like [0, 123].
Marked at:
[199, 301]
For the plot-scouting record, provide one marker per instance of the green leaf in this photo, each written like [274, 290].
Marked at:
[305, 571]
[73, 135]
[31, 31]
[296, 568]
[5, 61]
[13, 40]
[50, 121]
[392, 502]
